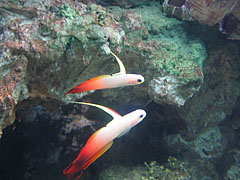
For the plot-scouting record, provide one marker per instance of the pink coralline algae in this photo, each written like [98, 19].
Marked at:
[77, 124]
[8, 85]
[133, 21]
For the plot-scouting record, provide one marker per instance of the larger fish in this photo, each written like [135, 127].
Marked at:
[102, 139]
[209, 12]
[120, 79]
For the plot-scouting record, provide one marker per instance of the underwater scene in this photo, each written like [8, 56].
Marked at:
[119, 89]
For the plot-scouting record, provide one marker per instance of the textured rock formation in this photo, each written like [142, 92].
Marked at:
[123, 3]
[60, 44]
[48, 47]
[173, 169]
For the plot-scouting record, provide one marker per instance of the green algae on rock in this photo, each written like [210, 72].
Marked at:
[174, 169]
[173, 57]
[49, 47]
[65, 38]
[52, 41]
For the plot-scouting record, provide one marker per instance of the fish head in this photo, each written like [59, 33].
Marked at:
[136, 117]
[134, 79]
[128, 121]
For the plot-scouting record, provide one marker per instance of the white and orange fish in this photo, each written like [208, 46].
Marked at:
[102, 139]
[120, 79]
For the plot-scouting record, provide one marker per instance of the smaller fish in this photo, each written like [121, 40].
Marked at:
[102, 140]
[120, 79]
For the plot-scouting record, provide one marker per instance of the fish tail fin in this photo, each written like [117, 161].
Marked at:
[76, 89]
[73, 172]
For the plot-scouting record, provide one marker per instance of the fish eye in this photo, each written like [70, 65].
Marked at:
[141, 116]
[139, 80]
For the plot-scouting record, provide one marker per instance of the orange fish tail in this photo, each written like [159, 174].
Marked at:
[73, 171]
[76, 168]
[77, 89]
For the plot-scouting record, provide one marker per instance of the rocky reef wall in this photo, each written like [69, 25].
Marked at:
[191, 87]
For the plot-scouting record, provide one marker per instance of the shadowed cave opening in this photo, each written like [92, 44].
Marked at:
[44, 140]
[47, 136]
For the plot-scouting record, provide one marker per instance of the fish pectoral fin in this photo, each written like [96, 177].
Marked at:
[123, 133]
[98, 154]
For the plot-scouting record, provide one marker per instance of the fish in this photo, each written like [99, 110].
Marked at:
[120, 79]
[100, 141]
[209, 12]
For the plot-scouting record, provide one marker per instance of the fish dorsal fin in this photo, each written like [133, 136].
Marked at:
[111, 112]
[121, 66]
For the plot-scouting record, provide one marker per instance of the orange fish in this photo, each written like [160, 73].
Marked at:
[120, 79]
[102, 139]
